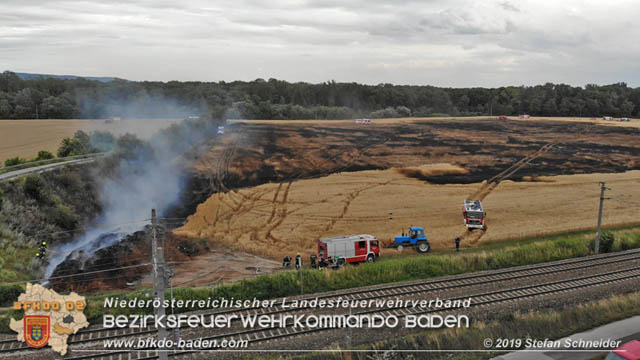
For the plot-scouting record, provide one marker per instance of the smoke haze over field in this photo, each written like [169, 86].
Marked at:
[458, 43]
[147, 176]
[139, 106]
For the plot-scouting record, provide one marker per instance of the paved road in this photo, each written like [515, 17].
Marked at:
[37, 169]
[623, 330]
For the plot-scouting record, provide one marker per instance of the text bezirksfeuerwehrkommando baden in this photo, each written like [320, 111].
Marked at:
[306, 321]
[286, 320]
[285, 303]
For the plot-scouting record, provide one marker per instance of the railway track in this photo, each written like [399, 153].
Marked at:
[377, 292]
[482, 299]
[253, 336]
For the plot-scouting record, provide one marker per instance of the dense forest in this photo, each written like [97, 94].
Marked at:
[275, 99]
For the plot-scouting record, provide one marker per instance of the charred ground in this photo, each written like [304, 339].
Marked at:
[253, 154]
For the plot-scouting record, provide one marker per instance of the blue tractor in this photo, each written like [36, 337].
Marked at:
[415, 238]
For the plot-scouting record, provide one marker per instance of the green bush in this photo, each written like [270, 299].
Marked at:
[4, 324]
[628, 241]
[63, 217]
[129, 146]
[36, 188]
[44, 155]
[102, 141]
[14, 161]
[79, 144]
[5, 320]
[9, 294]
[70, 180]
[70, 147]
[607, 240]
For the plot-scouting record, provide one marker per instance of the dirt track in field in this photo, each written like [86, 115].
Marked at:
[324, 183]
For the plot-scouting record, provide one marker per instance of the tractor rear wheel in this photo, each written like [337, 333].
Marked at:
[423, 247]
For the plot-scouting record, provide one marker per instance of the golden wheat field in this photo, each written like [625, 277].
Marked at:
[281, 219]
[24, 138]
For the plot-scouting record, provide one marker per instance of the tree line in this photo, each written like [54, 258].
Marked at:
[48, 98]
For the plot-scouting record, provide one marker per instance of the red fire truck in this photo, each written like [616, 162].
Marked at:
[348, 249]
[474, 215]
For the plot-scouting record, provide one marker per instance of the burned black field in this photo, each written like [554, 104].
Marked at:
[265, 152]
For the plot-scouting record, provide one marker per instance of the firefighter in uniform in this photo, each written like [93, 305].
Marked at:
[458, 244]
[298, 261]
[286, 262]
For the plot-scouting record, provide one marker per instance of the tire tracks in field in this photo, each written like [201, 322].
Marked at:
[347, 203]
[277, 215]
[280, 210]
[273, 202]
[239, 203]
[222, 166]
[474, 237]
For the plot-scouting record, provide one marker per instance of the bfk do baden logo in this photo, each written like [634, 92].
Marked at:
[49, 318]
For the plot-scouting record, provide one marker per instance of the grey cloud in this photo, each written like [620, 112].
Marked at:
[507, 5]
[450, 43]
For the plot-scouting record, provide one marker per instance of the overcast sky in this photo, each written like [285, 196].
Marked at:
[455, 43]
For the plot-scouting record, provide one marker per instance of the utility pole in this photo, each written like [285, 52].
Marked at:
[176, 331]
[599, 232]
[158, 281]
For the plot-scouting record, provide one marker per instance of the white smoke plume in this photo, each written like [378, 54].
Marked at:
[151, 176]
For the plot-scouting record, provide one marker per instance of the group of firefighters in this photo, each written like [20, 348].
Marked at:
[286, 262]
[334, 262]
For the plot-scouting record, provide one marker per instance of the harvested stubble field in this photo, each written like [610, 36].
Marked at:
[318, 179]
